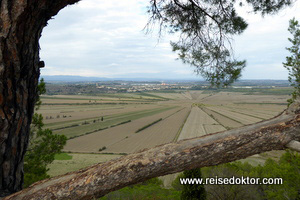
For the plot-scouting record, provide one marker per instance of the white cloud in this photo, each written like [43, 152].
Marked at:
[104, 38]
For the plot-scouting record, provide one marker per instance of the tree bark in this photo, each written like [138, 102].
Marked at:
[21, 24]
[208, 150]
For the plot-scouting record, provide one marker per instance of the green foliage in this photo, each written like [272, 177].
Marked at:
[176, 183]
[43, 145]
[63, 156]
[148, 125]
[287, 168]
[206, 29]
[41, 90]
[293, 62]
[102, 148]
[193, 191]
[230, 192]
[148, 190]
[268, 7]
[214, 64]
[155, 97]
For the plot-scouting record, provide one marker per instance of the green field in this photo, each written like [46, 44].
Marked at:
[62, 164]
[89, 125]
[63, 156]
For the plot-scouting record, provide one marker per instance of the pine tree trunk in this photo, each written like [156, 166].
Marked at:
[21, 24]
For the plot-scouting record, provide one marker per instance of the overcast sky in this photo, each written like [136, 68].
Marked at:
[105, 38]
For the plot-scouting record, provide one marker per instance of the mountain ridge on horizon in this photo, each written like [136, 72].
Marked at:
[75, 78]
[71, 78]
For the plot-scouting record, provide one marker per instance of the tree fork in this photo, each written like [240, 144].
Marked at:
[208, 150]
[21, 24]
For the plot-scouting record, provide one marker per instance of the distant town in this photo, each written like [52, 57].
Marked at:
[73, 86]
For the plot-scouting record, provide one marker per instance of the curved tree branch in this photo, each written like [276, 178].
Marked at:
[208, 150]
[21, 24]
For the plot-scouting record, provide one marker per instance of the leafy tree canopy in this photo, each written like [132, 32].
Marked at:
[193, 191]
[293, 61]
[43, 145]
[287, 168]
[206, 28]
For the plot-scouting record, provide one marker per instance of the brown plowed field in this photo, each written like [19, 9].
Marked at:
[227, 108]
[94, 141]
[261, 108]
[86, 112]
[242, 118]
[174, 96]
[187, 95]
[213, 128]
[195, 94]
[250, 112]
[240, 98]
[194, 125]
[162, 132]
[225, 121]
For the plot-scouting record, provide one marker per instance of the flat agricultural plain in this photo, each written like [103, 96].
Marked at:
[162, 132]
[78, 161]
[113, 136]
[106, 126]
[198, 124]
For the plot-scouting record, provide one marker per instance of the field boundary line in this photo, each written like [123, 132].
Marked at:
[227, 128]
[110, 117]
[93, 152]
[101, 129]
[181, 127]
[72, 121]
[210, 95]
[226, 116]
[148, 125]
[148, 94]
[156, 121]
[125, 99]
[108, 103]
[262, 103]
[259, 112]
[245, 114]
[122, 122]
[173, 113]
[206, 132]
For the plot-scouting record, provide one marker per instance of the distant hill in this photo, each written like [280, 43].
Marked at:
[61, 78]
[83, 79]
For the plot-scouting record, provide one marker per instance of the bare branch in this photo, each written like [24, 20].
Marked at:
[204, 11]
